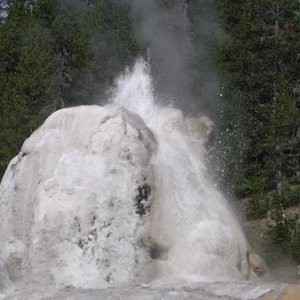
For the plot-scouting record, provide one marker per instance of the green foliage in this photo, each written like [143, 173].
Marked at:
[283, 235]
[113, 46]
[34, 62]
[259, 123]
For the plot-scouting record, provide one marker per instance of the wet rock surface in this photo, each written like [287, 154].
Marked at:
[199, 291]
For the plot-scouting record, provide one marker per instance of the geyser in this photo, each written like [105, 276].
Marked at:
[96, 190]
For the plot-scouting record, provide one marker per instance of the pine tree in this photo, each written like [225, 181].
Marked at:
[38, 55]
[259, 73]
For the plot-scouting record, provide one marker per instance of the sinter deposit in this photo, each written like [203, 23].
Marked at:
[105, 196]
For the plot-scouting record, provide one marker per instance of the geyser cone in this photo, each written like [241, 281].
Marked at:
[71, 211]
[102, 196]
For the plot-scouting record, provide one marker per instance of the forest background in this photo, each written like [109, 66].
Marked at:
[56, 54]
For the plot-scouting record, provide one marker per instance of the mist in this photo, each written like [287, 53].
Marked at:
[182, 71]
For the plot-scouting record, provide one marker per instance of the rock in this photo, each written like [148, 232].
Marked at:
[291, 292]
[62, 198]
[269, 296]
[201, 129]
[156, 251]
[257, 264]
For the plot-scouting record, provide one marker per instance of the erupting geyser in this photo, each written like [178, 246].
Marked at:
[102, 196]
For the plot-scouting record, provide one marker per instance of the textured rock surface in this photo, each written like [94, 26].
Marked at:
[289, 292]
[68, 212]
[204, 291]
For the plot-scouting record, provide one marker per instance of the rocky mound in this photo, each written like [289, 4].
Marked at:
[74, 205]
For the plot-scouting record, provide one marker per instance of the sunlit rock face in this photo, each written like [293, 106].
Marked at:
[73, 207]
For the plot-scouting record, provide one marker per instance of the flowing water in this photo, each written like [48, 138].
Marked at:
[189, 217]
